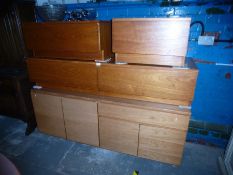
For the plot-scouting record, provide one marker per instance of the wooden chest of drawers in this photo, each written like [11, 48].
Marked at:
[84, 40]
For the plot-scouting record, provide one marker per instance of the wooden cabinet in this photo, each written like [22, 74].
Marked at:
[83, 40]
[48, 112]
[148, 83]
[81, 120]
[161, 41]
[118, 135]
[152, 131]
[63, 75]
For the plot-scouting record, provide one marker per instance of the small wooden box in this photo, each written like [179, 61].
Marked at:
[159, 41]
[84, 40]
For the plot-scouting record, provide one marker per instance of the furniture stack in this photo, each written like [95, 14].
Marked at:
[137, 105]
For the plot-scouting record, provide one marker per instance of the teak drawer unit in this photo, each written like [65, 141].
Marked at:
[63, 74]
[147, 83]
[150, 130]
[159, 41]
[83, 40]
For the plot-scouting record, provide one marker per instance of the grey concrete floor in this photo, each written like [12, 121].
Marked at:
[41, 154]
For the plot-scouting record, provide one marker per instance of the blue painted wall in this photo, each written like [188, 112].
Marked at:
[213, 101]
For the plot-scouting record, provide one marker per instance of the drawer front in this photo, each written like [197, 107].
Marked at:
[63, 75]
[80, 40]
[118, 135]
[81, 120]
[144, 116]
[161, 144]
[49, 115]
[165, 60]
[147, 83]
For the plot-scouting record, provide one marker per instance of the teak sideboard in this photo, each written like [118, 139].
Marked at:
[138, 105]
[150, 130]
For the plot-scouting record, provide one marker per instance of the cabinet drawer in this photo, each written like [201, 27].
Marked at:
[118, 135]
[144, 116]
[147, 83]
[63, 74]
[84, 40]
[49, 115]
[161, 36]
[81, 120]
[161, 144]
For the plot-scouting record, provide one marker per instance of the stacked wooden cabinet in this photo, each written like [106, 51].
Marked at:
[137, 105]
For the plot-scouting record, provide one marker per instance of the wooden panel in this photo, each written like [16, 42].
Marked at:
[81, 120]
[106, 39]
[166, 60]
[156, 84]
[73, 40]
[161, 144]
[49, 115]
[63, 75]
[118, 135]
[143, 116]
[162, 36]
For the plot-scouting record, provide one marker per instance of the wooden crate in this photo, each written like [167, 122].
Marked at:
[161, 41]
[83, 40]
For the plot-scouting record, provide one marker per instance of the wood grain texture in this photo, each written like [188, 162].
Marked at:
[160, 36]
[162, 144]
[81, 120]
[82, 40]
[118, 135]
[143, 116]
[155, 84]
[166, 60]
[63, 75]
[49, 115]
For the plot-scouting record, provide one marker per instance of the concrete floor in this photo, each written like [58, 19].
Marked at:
[40, 154]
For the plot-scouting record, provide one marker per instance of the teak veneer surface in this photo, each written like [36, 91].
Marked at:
[64, 75]
[48, 112]
[161, 41]
[83, 40]
[156, 84]
[148, 83]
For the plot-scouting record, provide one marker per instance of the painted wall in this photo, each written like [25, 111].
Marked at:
[213, 101]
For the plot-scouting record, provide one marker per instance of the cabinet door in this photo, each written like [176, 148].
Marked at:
[81, 120]
[118, 135]
[162, 144]
[49, 115]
